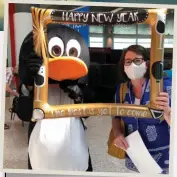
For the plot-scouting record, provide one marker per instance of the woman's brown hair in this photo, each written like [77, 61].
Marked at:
[138, 49]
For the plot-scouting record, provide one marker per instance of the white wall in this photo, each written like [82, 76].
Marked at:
[23, 25]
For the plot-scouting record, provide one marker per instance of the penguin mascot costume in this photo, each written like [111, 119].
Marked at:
[55, 144]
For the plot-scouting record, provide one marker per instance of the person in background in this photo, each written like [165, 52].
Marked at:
[168, 70]
[134, 68]
[169, 73]
[10, 73]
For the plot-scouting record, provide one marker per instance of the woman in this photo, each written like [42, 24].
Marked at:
[155, 133]
[10, 73]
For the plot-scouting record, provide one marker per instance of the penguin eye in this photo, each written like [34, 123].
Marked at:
[56, 47]
[73, 48]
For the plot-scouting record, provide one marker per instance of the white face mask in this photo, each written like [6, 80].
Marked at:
[135, 71]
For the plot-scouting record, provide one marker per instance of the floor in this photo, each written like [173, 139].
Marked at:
[15, 145]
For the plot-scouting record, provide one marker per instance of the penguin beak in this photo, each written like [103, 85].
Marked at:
[66, 68]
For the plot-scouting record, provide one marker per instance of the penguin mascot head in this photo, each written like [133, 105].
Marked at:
[68, 53]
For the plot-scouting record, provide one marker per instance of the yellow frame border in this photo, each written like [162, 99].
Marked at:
[154, 17]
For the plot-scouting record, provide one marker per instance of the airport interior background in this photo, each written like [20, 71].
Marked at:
[105, 45]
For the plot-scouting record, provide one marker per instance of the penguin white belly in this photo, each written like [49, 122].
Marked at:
[59, 144]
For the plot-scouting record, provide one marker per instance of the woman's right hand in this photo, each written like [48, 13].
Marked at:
[121, 142]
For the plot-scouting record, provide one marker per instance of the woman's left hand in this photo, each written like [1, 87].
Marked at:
[162, 101]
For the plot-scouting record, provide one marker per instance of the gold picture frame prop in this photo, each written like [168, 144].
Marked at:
[156, 18]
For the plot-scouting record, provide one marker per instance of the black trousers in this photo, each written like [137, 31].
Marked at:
[30, 129]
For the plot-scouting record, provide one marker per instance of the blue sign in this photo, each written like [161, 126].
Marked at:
[82, 29]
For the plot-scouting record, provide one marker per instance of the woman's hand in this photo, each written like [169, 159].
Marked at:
[9, 90]
[162, 101]
[16, 94]
[121, 142]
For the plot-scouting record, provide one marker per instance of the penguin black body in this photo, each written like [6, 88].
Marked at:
[62, 41]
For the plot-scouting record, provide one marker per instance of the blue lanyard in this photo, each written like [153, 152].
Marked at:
[144, 89]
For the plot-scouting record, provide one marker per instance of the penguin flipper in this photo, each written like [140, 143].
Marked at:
[29, 62]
